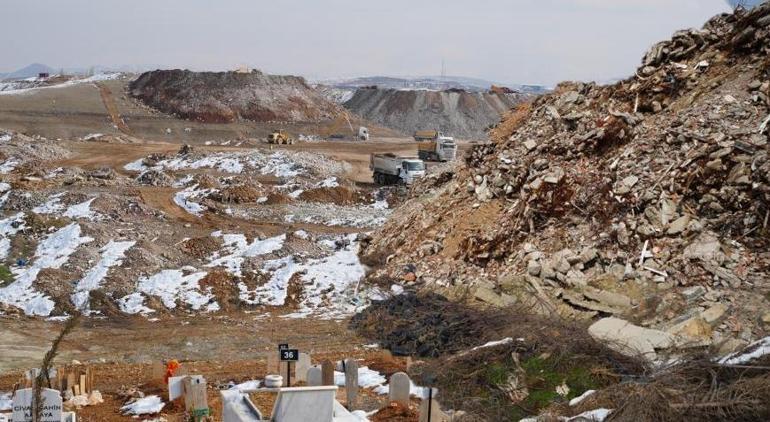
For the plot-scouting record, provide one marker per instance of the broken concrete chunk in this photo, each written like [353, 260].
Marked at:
[631, 339]
[679, 225]
[534, 268]
[691, 294]
[530, 144]
[714, 315]
[588, 255]
[606, 297]
[705, 248]
[487, 295]
[694, 331]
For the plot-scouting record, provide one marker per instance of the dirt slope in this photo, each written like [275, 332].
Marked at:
[223, 97]
[647, 199]
[462, 114]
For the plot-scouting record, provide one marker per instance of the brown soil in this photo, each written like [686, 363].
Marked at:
[112, 108]
[396, 412]
[277, 198]
[201, 247]
[339, 195]
[238, 194]
[223, 286]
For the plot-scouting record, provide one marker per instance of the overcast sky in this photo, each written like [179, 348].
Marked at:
[512, 41]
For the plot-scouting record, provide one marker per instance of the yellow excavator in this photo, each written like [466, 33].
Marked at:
[280, 137]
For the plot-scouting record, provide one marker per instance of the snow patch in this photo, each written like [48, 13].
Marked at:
[112, 255]
[183, 199]
[8, 228]
[7, 166]
[236, 249]
[52, 206]
[52, 252]
[81, 210]
[145, 406]
[326, 281]
[753, 351]
[172, 286]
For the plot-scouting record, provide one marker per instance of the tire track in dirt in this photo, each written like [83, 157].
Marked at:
[112, 108]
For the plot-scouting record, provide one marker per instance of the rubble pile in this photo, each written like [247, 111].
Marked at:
[456, 112]
[646, 200]
[224, 97]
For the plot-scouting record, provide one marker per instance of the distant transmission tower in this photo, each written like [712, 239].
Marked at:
[443, 70]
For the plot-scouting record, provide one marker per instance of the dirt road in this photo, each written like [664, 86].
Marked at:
[112, 108]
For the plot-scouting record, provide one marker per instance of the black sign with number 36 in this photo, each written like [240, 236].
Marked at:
[291, 355]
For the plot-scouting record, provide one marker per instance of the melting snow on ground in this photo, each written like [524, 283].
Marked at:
[81, 210]
[8, 228]
[236, 249]
[327, 282]
[52, 206]
[112, 255]
[183, 199]
[16, 88]
[145, 406]
[279, 164]
[171, 286]
[52, 252]
[367, 378]
[753, 351]
[7, 166]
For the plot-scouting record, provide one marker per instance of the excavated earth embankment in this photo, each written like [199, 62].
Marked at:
[223, 97]
[457, 113]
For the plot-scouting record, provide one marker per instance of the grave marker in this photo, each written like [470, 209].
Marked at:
[195, 401]
[399, 388]
[23, 408]
[302, 366]
[351, 382]
[314, 377]
[327, 373]
[287, 357]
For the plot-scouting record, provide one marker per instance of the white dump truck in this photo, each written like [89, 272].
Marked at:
[432, 145]
[388, 169]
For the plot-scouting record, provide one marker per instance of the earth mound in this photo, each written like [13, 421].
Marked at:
[457, 113]
[224, 97]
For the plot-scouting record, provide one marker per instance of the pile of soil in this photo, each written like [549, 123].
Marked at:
[396, 412]
[237, 194]
[648, 199]
[278, 198]
[338, 195]
[464, 115]
[223, 97]
[201, 247]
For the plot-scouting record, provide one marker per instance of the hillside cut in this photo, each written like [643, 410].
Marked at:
[224, 97]
[456, 113]
[648, 199]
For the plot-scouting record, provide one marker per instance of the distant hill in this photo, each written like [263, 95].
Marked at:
[433, 83]
[29, 71]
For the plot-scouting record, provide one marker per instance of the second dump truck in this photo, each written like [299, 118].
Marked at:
[388, 169]
[432, 145]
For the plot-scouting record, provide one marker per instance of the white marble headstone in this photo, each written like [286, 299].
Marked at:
[22, 405]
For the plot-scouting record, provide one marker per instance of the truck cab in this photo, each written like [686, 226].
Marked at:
[433, 145]
[411, 170]
[446, 149]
